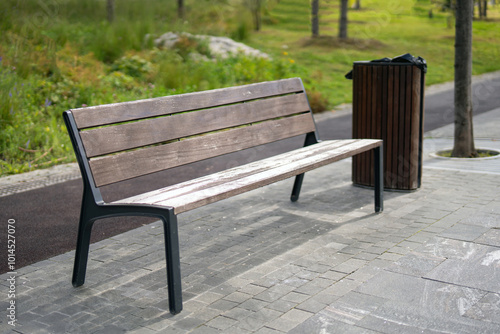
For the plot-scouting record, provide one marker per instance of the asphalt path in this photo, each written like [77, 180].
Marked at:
[47, 218]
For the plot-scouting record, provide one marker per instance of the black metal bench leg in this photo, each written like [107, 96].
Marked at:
[379, 178]
[82, 249]
[297, 185]
[173, 262]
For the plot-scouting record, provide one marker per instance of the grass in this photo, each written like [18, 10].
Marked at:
[58, 55]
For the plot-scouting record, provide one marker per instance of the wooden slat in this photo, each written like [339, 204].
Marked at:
[157, 130]
[401, 127]
[408, 166]
[356, 114]
[388, 139]
[128, 111]
[415, 127]
[302, 162]
[395, 130]
[126, 165]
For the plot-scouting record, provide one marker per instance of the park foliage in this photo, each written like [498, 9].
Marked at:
[61, 54]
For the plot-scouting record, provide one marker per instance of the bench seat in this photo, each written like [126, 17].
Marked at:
[214, 187]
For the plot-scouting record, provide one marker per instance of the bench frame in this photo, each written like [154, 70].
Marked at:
[94, 207]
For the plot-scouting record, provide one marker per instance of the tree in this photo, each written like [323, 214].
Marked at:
[255, 7]
[315, 18]
[180, 8]
[482, 6]
[464, 137]
[343, 19]
[110, 9]
[357, 5]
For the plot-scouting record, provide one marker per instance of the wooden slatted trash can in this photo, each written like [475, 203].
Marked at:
[388, 104]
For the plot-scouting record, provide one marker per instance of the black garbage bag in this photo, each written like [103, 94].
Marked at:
[406, 58]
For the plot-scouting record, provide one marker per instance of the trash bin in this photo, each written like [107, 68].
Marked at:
[388, 104]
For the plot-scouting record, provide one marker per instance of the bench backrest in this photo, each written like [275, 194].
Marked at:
[126, 140]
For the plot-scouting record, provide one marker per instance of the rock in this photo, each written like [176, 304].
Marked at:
[222, 47]
[169, 39]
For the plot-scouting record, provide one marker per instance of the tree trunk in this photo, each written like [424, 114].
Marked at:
[480, 8]
[485, 9]
[315, 18]
[257, 15]
[464, 137]
[343, 19]
[357, 5]
[110, 9]
[180, 9]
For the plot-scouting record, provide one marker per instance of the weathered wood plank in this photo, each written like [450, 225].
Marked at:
[235, 173]
[395, 130]
[302, 163]
[408, 161]
[401, 127]
[415, 127]
[134, 110]
[388, 139]
[127, 165]
[157, 130]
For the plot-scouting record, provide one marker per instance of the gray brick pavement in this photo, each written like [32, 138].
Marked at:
[258, 263]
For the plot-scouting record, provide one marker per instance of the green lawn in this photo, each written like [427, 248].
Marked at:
[380, 29]
[57, 55]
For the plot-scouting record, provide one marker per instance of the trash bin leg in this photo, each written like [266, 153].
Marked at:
[378, 154]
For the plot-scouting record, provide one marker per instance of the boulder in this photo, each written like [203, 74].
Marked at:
[222, 47]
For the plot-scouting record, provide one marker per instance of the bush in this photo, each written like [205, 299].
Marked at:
[317, 101]
[133, 66]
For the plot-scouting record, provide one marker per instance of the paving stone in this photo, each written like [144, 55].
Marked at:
[221, 322]
[265, 330]
[30, 328]
[258, 319]
[416, 264]
[295, 297]
[490, 237]
[483, 274]
[53, 318]
[319, 323]
[313, 287]
[238, 313]
[389, 256]
[464, 232]
[393, 286]
[282, 305]
[486, 309]
[238, 297]
[311, 305]
[454, 249]
[443, 316]
[289, 320]
[350, 265]
[253, 304]
[209, 297]
[333, 275]
[223, 305]
[364, 274]
[252, 289]
[342, 287]
[205, 330]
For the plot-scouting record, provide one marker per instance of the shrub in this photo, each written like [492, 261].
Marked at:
[133, 66]
[317, 101]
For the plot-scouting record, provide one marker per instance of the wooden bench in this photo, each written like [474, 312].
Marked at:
[121, 141]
